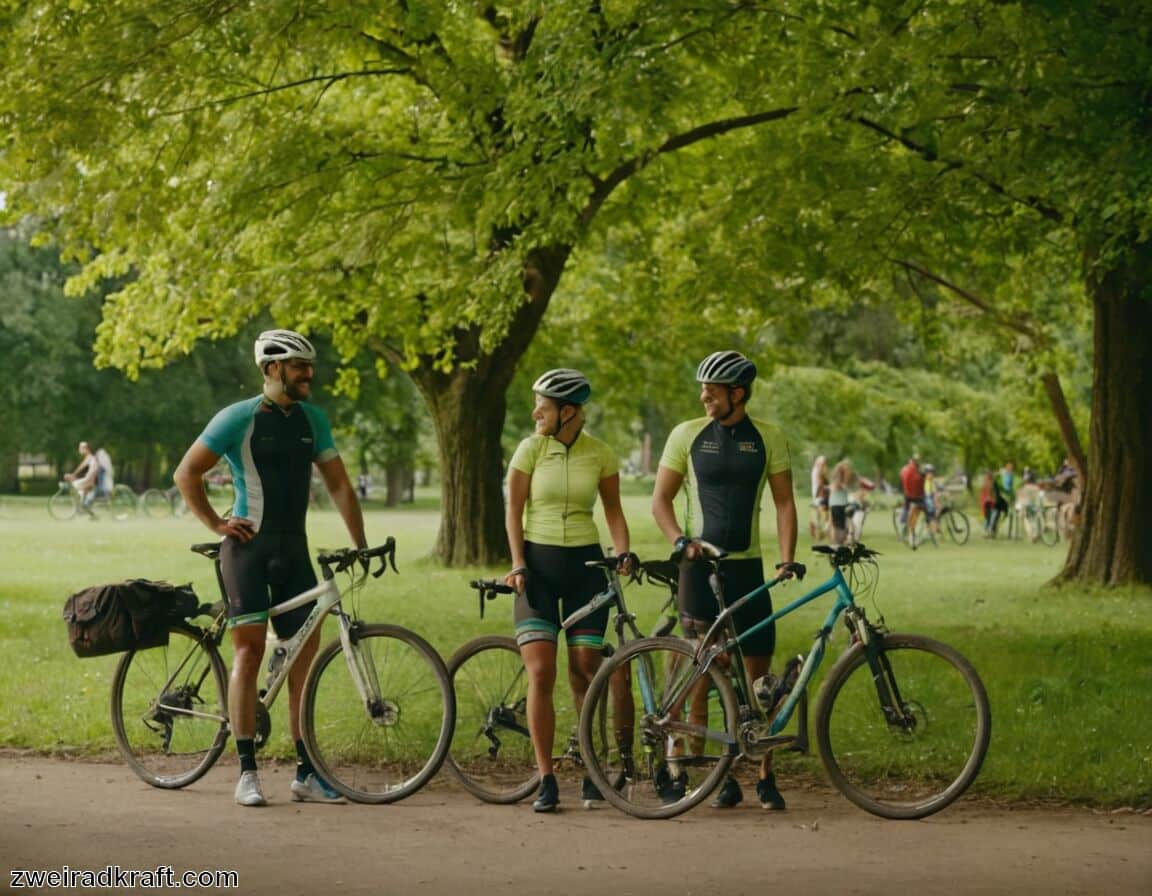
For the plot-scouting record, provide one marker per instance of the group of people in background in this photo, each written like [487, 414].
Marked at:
[839, 501]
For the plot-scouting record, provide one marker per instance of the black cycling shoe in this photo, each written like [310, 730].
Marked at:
[730, 795]
[770, 797]
[590, 794]
[669, 789]
[549, 796]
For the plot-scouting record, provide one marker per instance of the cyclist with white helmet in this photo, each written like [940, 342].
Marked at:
[723, 461]
[554, 479]
[271, 442]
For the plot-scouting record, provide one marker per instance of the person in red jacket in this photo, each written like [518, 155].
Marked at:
[912, 484]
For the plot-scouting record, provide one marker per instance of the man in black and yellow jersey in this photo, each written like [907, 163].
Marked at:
[723, 461]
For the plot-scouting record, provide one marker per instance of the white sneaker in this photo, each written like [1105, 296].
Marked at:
[314, 790]
[248, 791]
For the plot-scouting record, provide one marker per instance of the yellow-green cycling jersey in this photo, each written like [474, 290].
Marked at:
[565, 485]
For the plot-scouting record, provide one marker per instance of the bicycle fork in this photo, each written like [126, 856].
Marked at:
[362, 668]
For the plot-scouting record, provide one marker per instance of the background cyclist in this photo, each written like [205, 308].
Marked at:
[725, 459]
[271, 442]
[92, 477]
[554, 478]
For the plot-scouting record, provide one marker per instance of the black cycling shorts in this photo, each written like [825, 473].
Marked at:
[698, 607]
[270, 569]
[557, 585]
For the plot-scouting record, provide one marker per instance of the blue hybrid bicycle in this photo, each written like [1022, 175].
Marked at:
[902, 721]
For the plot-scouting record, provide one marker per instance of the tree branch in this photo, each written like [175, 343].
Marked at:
[604, 187]
[930, 155]
[326, 80]
[1017, 322]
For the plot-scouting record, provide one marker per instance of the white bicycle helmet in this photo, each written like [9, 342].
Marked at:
[280, 345]
[563, 384]
[727, 369]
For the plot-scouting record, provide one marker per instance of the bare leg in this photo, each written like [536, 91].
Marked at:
[540, 663]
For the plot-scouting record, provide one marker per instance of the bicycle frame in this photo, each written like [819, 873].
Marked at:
[711, 647]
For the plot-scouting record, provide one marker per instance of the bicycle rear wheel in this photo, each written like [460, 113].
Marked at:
[122, 503]
[930, 749]
[491, 753]
[385, 744]
[170, 708]
[679, 757]
[955, 523]
[62, 505]
[154, 502]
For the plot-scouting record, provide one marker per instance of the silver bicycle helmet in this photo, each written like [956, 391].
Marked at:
[563, 384]
[727, 369]
[280, 345]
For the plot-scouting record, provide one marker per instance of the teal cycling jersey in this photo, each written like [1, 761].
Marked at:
[725, 470]
[565, 485]
[270, 450]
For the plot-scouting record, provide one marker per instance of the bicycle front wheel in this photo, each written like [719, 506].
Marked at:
[670, 751]
[377, 720]
[916, 756]
[491, 753]
[955, 522]
[62, 505]
[170, 708]
[154, 502]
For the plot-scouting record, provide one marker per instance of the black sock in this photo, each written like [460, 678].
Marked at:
[246, 747]
[303, 763]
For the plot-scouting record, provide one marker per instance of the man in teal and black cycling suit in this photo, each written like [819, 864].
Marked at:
[725, 459]
[271, 443]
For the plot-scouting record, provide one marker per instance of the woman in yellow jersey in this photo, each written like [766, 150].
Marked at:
[554, 479]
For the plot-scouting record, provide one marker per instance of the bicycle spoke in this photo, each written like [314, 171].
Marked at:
[491, 753]
[169, 709]
[922, 753]
[670, 740]
[386, 745]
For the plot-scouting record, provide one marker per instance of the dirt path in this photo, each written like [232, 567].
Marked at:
[88, 816]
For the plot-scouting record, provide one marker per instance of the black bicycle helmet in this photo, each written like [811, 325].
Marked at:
[727, 369]
[563, 384]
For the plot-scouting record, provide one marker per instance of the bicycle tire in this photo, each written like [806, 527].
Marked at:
[386, 751]
[63, 505]
[1049, 532]
[491, 753]
[956, 522]
[122, 503]
[894, 773]
[154, 695]
[640, 787]
[155, 504]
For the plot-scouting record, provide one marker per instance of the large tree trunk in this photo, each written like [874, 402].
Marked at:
[468, 408]
[1113, 546]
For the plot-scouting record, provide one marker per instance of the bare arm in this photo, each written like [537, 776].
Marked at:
[519, 484]
[343, 494]
[668, 483]
[189, 478]
[614, 514]
[786, 526]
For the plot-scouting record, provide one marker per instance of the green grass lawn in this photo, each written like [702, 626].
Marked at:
[1069, 672]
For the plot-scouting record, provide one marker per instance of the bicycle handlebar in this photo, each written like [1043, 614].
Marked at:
[488, 589]
[845, 554]
[342, 558]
